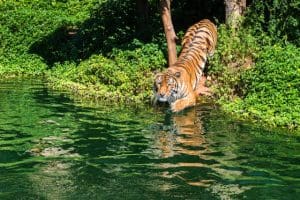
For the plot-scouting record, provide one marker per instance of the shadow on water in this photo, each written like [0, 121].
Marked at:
[61, 149]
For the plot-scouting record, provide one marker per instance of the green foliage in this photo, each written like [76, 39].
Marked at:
[25, 22]
[279, 19]
[272, 88]
[45, 32]
[110, 24]
[88, 44]
[235, 53]
[125, 75]
[255, 79]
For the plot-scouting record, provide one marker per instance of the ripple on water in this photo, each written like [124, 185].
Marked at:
[52, 147]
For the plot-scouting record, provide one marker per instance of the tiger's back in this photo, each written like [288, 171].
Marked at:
[198, 43]
[200, 35]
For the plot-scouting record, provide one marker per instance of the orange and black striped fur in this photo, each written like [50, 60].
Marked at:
[178, 84]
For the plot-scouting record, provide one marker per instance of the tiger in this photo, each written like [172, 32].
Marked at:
[179, 84]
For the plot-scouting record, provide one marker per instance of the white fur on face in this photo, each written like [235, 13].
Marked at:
[165, 88]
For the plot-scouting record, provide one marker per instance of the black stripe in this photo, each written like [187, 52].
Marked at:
[195, 57]
[202, 58]
[203, 31]
[199, 57]
[198, 37]
[198, 43]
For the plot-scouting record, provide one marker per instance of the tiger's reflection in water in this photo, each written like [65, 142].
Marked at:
[181, 144]
[189, 154]
[183, 136]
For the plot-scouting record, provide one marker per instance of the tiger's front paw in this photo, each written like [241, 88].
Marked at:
[177, 106]
[181, 104]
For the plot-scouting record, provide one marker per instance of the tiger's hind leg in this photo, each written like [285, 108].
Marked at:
[202, 89]
[183, 103]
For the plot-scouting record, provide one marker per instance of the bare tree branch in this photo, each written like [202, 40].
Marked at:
[169, 30]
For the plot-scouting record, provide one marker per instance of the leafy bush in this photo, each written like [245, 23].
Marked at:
[25, 22]
[87, 42]
[280, 20]
[45, 32]
[253, 78]
[272, 88]
[235, 53]
[123, 76]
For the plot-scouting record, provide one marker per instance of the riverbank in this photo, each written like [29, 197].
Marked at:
[93, 49]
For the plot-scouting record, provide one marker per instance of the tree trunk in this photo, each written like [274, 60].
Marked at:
[234, 9]
[169, 30]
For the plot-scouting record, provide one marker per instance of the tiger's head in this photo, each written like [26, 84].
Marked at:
[166, 86]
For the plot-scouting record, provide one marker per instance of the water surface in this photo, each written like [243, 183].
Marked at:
[52, 147]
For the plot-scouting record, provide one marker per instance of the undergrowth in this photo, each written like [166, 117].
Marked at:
[236, 52]
[255, 79]
[26, 22]
[272, 88]
[123, 76]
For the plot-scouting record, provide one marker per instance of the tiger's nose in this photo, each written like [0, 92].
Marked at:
[162, 94]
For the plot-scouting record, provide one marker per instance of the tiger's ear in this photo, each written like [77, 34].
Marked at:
[158, 77]
[177, 74]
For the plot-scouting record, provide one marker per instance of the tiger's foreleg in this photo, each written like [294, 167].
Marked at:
[183, 103]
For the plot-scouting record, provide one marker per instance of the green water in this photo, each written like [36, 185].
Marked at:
[52, 147]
